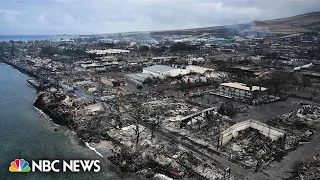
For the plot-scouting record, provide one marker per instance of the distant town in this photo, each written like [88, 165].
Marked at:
[185, 105]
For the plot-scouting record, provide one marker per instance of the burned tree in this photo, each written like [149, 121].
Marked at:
[149, 81]
[115, 119]
[137, 120]
[306, 81]
[154, 125]
[139, 87]
[208, 72]
[279, 81]
[223, 76]
[227, 109]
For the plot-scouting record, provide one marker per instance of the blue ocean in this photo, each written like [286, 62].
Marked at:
[25, 38]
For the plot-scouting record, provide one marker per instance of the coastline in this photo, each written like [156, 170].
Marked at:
[117, 155]
[97, 148]
[90, 146]
[104, 149]
[20, 69]
[107, 148]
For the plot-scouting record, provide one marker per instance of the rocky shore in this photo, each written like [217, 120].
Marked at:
[50, 105]
[120, 156]
[49, 101]
[21, 69]
[131, 148]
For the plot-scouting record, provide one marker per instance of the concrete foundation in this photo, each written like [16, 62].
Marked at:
[268, 131]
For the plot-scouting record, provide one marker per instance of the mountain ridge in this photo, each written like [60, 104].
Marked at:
[276, 27]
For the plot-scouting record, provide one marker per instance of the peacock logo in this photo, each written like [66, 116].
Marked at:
[19, 165]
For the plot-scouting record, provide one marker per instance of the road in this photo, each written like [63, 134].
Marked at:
[236, 170]
[303, 153]
[265, 111]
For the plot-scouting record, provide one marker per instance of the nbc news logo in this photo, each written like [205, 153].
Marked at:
[20, 165]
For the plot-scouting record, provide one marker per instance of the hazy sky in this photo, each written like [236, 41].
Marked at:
[105, 16]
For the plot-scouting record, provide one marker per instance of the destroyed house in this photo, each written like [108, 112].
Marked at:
[244, 71]
[268, 131]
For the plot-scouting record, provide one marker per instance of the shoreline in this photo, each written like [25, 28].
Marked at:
[58, 121]
[20, 69]
[49, 104]
[81, 142]
[95, 147]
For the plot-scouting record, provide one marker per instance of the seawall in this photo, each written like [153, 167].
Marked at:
[21, 69]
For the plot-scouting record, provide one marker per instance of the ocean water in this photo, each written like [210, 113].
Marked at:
[25, 38]
[27, 133]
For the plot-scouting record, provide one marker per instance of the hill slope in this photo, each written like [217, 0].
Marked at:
[283, 26]
[295, 24]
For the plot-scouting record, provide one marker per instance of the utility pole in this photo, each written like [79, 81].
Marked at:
[98, 79]
[218, 143]
[46, 73]
[99, 85]
[229, 168]
[120, 107]
[12, 51]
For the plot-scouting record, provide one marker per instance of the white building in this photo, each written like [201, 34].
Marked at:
[198, 69]
[107, 51]
[163, 71]
[176, 72]
[240, 90]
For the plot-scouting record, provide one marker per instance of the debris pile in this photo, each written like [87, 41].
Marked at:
[309, 112]
[298, 126]
[167, 111]
[252, 149]
[311, 170]
[167, 108]
[160, 156]
[203, 167]
[139, 149]
[211, 131]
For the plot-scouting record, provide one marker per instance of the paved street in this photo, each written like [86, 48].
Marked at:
[290, 162]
